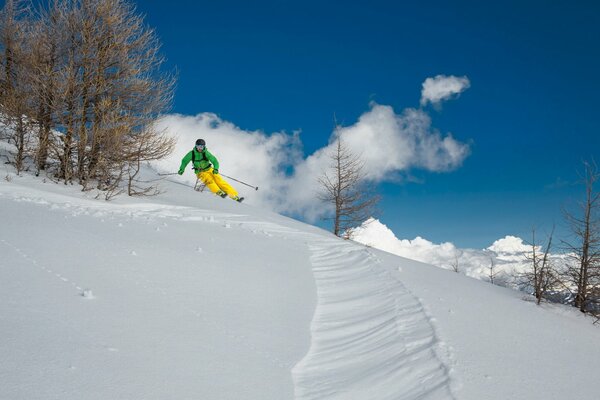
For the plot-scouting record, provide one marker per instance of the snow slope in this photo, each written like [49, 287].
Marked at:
[190, 296]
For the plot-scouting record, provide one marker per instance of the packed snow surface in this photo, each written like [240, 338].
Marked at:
[190, 296]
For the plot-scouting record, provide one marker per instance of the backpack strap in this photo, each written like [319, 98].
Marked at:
[194, 159]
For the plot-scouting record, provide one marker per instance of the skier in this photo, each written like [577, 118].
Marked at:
[206, 167]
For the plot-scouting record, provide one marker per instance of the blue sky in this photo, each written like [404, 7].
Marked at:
[530, 115]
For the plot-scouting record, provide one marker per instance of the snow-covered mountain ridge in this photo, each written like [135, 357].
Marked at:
[190, 296]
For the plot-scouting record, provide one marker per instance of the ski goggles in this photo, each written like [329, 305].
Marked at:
[200, 147]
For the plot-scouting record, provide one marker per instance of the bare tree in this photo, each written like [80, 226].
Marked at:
[584, 272]
[455, 264]
[64, 24]
[127, 93]
[14, 87]
[94, 77]
[89, 70]
[147, 146]
[492, 272]
[344, 186]
[43, 79]
[542, 276]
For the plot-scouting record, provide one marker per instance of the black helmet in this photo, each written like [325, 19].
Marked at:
[200, 142]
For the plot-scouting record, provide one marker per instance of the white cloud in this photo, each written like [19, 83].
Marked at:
[510, 244]
[508, 254]
[250, 156]
[442, 87]
[375, 234]
[388, 143]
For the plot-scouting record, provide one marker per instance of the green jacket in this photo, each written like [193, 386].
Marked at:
[203, 160]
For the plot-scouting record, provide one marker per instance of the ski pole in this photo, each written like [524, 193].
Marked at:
[199, 188]
[243, 183]
[159, 174]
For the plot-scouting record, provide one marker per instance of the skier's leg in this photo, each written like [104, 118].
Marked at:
[207, 178]
[226, 187]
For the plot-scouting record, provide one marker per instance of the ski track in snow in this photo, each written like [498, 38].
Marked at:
[371, 338]
[34, 262]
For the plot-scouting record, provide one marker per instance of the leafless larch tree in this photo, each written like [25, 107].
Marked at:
[541, 277]
[583, 273]
[344, 187]
[92, 86]
[15, 89]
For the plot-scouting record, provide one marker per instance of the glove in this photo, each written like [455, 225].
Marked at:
[215, 171]
[180, 172]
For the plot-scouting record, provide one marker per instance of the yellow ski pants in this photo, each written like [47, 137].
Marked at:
[215, 183]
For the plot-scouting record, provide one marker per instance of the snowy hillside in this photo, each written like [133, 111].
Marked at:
[190, 296]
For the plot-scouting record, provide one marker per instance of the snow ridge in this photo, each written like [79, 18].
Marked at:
[371, 338]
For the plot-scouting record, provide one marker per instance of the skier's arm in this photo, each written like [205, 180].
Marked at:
[213, 160]
[185, 161]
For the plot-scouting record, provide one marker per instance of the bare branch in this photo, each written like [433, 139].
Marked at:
[344, 186]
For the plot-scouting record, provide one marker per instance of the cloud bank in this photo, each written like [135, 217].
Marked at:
[508, 254]
[250, 156]
[442, 87]
[389, 143]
